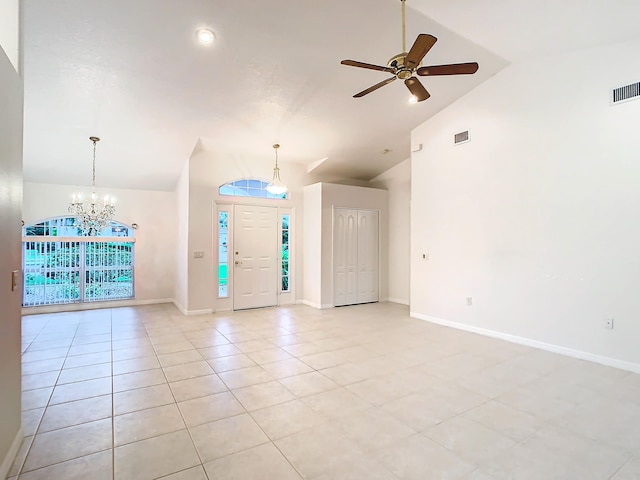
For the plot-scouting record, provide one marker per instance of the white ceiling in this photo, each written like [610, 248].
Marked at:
[132, 73]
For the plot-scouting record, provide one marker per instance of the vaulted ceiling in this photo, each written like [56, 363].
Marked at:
[132, 73]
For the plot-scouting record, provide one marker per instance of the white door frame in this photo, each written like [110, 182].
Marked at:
[289, 297]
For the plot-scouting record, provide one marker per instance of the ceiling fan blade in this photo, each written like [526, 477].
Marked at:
[375, 87]
[453, 69]
[353, 63]
[417, 89]
[420, 47]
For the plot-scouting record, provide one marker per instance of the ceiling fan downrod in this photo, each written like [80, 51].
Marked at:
[404, 28]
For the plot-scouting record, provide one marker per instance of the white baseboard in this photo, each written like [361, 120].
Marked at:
[570, 352]
[311, 304]
[186, 312]
[401, 301]
[73, 307]
[316, 305]
[10, 457]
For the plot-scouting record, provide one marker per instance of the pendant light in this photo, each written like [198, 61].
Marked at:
[276, 187]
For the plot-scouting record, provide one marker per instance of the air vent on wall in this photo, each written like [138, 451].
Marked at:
[461, 137]
[623, 94]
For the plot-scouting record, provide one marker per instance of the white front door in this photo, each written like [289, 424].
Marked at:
[255, 257]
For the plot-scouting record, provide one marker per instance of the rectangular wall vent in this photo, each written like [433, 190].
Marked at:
[623, 94]
[461, 137]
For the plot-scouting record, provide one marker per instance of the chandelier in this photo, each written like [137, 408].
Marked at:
[276, 187]
[92, 215]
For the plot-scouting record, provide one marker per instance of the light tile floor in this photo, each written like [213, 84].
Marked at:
[362, 392]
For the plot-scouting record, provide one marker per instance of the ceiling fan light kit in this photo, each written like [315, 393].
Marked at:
[405, 65]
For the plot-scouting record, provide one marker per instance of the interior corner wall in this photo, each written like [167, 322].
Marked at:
[536, 217]
[10, 31]
[312, 239]
[397, 181]
[182, 241]
[155, 213]
[11, 102]
[207, 171]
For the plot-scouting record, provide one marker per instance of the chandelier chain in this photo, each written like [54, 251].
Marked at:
[94, 140]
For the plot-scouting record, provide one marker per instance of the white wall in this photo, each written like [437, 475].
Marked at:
[207, 171]
[312, 240]
[397, 181]
[154, 211]
[11, 98]
[181, 289]
[10, 31]
[536, 217]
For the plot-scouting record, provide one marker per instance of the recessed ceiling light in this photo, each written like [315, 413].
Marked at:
[205, 36]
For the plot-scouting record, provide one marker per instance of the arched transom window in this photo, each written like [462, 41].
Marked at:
[249, 188]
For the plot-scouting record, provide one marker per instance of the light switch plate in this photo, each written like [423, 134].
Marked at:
[14, 279]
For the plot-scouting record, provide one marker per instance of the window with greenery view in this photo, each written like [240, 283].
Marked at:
[223, 254]
[285, 253]
[61, 266]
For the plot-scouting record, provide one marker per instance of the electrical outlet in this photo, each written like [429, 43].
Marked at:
[425, 256]
[469, 300]
[608, 323]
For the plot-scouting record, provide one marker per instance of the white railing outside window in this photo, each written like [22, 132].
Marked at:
[62, 270]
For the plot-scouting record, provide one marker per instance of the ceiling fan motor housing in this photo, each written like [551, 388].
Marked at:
[398, 62]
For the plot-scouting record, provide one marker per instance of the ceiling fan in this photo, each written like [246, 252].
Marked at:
[405, 65]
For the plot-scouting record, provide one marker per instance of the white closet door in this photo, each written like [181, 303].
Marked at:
[367, 256]
[345, 256]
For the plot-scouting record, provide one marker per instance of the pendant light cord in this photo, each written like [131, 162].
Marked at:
[276, 147]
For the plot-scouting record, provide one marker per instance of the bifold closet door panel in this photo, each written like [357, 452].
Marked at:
[345, 257]
[367, 251]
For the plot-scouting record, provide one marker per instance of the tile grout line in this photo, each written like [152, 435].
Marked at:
[180, 413]
[113, 420]
[46, 407]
